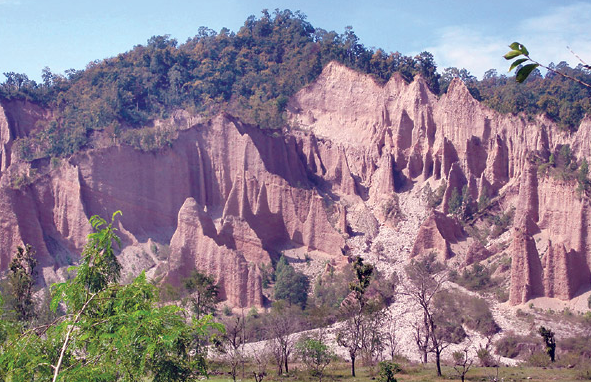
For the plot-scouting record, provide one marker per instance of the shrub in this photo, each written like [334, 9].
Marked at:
[455, 202]
[476, 278]
[315, 354]
[513, 346]
[471, 311]
[332, 288]
[584, 370]
[387, 371]
[580, 345]
[485, 357]
[502, 222]
[434, 199]
[391, 209]
[538, 359]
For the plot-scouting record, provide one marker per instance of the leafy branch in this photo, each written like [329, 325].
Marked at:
[521, 54]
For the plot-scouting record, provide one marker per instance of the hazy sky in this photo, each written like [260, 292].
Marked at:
[464, 33]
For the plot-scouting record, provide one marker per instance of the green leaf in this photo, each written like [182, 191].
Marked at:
[517, 63]
[512, 54]
[515, 46]
[519, 47]
[524, 72]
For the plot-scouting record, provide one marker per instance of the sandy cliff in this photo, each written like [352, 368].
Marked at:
[227, 197]
[399, 136]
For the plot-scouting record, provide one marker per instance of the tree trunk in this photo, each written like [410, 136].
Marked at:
[353, 366]
[280, 367]
[425, 356]
[285, 359]
[438, 362]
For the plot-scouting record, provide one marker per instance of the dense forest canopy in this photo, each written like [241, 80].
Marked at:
[251, 74]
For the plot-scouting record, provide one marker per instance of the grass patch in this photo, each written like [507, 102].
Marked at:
[340, 371]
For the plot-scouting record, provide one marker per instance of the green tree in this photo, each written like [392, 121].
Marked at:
[315, 354]
[21, 279]
[582, 176]
[203, 293]
[549, 341]
[364, 273]
[290, 285]
[363, 318]
[110, 331]
[455, 203]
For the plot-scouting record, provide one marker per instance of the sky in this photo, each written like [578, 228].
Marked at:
[471, 34]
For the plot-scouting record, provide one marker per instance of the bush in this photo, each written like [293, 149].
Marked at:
[486, 358]
[471, 311]
[584, 370]
[434, 199]
[455, 203]
[502, 222]
[513, 346]
[580, 345]
[391, 209]
[538, 359]
[332, 288]
[387, 371]
[315, 354]
[476, 278]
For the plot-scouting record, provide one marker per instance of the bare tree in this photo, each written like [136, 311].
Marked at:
[282, 323]
[233, 344]
[390, 339]
[375, 340]
[462, 362]
[424, 279]
[484, 353]
[352, 336]
[260, 357]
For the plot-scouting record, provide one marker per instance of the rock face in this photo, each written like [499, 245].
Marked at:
[196, 244]
[227, 197]
[256, 191]
[400, 135]
[526, 269]
[17, 120]
[436, 235]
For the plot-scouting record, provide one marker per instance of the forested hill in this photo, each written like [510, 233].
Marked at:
[250, 74]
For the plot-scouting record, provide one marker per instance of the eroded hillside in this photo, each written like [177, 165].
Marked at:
[226, 197]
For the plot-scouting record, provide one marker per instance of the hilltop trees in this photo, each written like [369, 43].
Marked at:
[250, 73]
